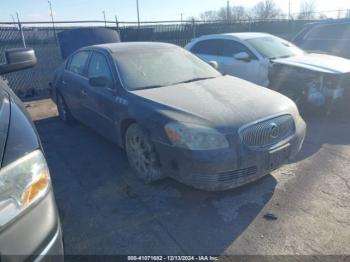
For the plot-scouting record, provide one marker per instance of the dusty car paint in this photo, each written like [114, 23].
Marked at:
[224, 103]
[35, 230]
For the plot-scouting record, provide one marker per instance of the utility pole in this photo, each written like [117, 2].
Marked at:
[116, 22]
[228, 10]
[104, 17]
[138, 14]
[289, 11]
[117, 25]
[13, 19]
[53, 21]
[21, 31]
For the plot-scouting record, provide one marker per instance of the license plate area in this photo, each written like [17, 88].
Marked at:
[278, 157]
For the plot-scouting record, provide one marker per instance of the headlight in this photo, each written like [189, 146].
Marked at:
[195, 137]
[22, 183]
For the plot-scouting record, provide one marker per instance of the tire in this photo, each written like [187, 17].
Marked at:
[141, 154]
[63, 110]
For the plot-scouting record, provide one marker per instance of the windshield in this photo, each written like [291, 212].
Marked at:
[273, 47]
[159, 67]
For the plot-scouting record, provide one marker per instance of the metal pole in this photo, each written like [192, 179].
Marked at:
[117, 24]
[228, 10]
[181, 15]
[138, 13]
[21, 31]
[194, 28]
[53, 21]
[289, 10]
[13, 19]
[104, 17]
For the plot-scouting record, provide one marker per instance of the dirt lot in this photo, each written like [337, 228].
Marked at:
[105, 210]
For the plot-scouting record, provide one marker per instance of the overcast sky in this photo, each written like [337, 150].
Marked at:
[150, 10]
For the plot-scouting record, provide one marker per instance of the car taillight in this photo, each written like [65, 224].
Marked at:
[22, 183]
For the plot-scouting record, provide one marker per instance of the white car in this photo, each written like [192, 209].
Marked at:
[273, 62]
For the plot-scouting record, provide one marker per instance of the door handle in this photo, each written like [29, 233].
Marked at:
[83, 92]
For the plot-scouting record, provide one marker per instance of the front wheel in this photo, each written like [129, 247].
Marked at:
[141, 154]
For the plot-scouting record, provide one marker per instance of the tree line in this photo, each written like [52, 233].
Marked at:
[266, 9]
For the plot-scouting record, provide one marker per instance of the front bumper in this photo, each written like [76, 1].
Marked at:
[225, 169]
[33, 235]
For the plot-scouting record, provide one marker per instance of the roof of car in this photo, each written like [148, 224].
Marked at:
[130, 46]
[240, 36]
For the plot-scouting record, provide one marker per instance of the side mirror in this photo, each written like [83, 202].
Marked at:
[242, 56]
[214, 64]
[99, 81]
[18, 59]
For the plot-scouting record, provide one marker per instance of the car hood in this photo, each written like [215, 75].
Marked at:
[318, 62]
[225, 102]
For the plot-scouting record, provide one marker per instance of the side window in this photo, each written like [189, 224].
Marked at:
[78, 62]
[99, 67]
[231, 48]
[207, 47]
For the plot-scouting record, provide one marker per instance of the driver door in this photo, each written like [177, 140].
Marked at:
[246, 69]
[101, 99]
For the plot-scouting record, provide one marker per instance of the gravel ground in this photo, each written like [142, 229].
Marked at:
[105, 210]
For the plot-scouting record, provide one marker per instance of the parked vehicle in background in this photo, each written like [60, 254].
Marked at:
[329, 37]
[308, 79]
[176, 116]
[29, 222]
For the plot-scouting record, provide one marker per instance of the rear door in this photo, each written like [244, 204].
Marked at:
[102, 100]
[248, 70]
[73, 81]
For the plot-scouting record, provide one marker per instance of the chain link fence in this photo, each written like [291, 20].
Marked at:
[43, 39]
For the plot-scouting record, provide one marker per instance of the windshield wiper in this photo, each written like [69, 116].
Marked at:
[194, 80]
[279, 57]
[148, 87]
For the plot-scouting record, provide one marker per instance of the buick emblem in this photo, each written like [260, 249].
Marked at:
[274, 130]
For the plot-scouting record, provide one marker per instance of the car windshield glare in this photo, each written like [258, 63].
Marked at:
[273, 47]
[157, 67]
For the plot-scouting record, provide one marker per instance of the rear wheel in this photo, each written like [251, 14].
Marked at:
[63, 110]
[141, 154]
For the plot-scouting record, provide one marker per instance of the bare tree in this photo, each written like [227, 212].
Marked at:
[209, 15]
[236, 13]
[307, 10]
[322, 16]
[266, 10]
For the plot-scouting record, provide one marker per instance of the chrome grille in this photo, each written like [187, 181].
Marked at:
[267, 132]
[229, 176]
